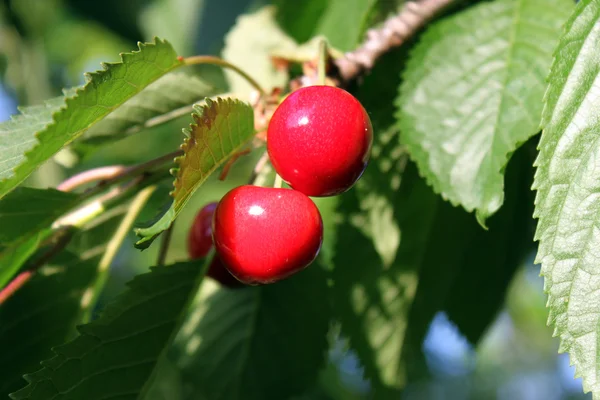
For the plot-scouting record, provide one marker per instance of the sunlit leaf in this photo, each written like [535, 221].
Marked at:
[264, 342]
[126, 341]
[27, 141]
[472, 94]
[567, 184]
[221, 129]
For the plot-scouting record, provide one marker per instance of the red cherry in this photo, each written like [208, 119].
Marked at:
[319, 140]
[264, 234]
[200, 243]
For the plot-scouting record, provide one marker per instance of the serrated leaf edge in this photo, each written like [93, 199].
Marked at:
[74, 93]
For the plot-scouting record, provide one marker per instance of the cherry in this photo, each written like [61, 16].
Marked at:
[319, 140]
[264, 234]
[200, 243]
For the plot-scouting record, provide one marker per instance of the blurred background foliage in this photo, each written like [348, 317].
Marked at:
[48, 45]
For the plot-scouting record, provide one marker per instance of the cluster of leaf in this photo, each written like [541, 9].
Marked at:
[456, 114]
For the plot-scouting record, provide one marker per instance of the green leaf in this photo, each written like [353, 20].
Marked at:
[126, 341]
[472, 93]
[17, 134]
[27, 142]
[262, 342]
[221, 129]
[170, 96]
[26, 211]
[42, 314]
[415, 250]
[352, 15]
[14, 256]
[493, 257]
[300, 20]
[374, 288]
[567, 203]
[26, 215]
[70, 281]
[249, 45]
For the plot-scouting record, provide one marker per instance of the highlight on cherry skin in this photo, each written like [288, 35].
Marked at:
[200, 242]
[264, 235]
[319, 140]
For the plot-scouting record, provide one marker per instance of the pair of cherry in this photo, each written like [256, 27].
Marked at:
[319, 141]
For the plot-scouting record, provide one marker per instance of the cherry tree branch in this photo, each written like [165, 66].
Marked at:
[131, 172]
[394, 32]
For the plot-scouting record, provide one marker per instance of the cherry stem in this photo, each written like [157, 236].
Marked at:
[212, 60]
[113, 246]
[230, 162]
[278, 182]
[164, 245]
[322, 61]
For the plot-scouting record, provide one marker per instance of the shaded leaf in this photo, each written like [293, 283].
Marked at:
[263, 342]
[26, 211]
[220, 129]
[352, 15]
[26, 215]
[172, 94]
[41, 315]
[126, 341]
[14, 256]
[300, 19]
[493, 257]
[567, 203]
[472, 94]
[27, 142]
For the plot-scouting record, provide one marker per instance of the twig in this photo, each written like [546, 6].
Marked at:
[16, 283]
[395, 31]
[91, 295]
[92, 175]
[164, 244]
[133, 171]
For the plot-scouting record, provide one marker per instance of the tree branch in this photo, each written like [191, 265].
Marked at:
[394, 32]
[134, 171]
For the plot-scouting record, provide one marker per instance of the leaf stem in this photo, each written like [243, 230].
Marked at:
[91, 295]
[164, 244]
[212, 60]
